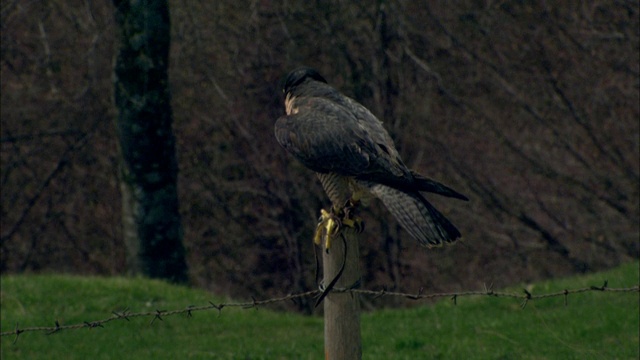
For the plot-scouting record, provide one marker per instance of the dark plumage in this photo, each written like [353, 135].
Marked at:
[354, 156]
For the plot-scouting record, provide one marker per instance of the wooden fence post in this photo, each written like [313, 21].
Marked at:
[342, 309]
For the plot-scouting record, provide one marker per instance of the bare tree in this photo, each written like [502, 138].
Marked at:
[151, 222]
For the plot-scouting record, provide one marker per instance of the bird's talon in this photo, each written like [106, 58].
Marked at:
[358, 225]
[333, 226]
[349, 219]
[329, 225]
[317, 237]
[349, 222]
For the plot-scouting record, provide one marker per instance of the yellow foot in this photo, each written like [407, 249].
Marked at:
[350, 219]
[329, 226]
[356, 224]
[331, 223]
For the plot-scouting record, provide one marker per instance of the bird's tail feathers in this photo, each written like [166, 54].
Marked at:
[417, 216]
[423, 183]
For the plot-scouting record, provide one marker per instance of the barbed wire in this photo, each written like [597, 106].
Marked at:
[526, 296]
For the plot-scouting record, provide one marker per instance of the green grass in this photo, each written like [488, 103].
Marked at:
[594, 325]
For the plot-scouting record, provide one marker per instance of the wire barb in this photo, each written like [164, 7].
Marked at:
[602, 288]
[253, 304]
[217, 307]
[122, 315]
[17, 332]
[188, 309]
[157, 316]
[382, 292]
[527, 297]
[488, 290]
[417, 296]
[55, 330]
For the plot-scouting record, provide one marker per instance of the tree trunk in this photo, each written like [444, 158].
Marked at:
[151, 222]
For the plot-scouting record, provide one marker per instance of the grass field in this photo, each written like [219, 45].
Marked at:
[594, 325]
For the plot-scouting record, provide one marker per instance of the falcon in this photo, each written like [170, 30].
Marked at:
[355, 159]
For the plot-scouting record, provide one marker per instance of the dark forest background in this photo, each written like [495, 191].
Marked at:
[529, 108]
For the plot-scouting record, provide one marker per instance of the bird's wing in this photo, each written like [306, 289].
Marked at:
[417, 216]
[410, 182]
[327, 137]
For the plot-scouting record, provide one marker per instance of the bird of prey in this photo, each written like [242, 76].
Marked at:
[355, 159]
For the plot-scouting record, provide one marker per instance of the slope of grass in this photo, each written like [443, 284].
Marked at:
[593, 326]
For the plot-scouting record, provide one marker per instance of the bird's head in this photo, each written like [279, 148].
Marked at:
[300, 76]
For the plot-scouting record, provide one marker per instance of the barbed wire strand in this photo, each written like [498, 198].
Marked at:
[526, 296]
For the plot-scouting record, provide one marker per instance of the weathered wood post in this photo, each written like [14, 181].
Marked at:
[342, 309]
